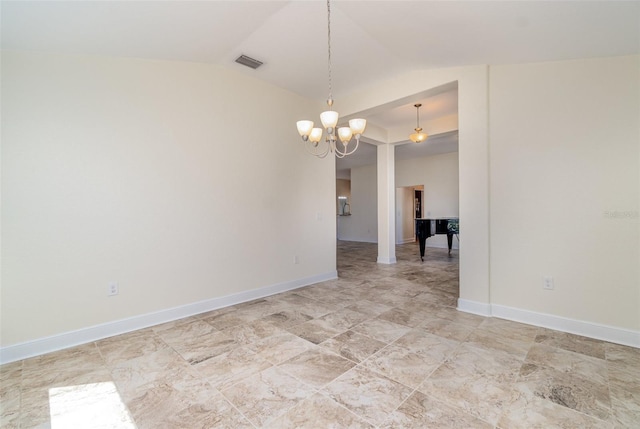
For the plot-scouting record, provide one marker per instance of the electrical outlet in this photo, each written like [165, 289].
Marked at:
[547, 282]
[112, 289]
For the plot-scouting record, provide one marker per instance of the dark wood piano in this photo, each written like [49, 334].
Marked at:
[426, 228]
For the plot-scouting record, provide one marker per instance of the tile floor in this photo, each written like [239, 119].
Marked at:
[381, 347]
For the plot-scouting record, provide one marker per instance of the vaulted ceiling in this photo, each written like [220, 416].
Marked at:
[371, 40]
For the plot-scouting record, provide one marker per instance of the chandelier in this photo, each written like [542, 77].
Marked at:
[418, 136]
[312, 137]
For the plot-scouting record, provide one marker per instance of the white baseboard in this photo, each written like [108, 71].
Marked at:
[93, 333]
[382, 260]
[474, 307]
[612, 334]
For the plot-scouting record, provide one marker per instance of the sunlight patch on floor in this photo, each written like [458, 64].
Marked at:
[89, 406]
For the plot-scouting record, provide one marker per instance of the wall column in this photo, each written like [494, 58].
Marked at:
[386, 205]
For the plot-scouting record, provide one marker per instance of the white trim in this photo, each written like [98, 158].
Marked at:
[382, 260]
[93, 333]
[474, 307]
[612, 334]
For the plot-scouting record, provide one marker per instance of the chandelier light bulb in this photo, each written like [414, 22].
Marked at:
[345, 134]
[304, 128]
[316, 135]
[329, 119]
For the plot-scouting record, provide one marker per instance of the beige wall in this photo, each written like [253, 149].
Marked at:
[170, 178]
[564, 188]
[135, 171]
[439, 175]
[362, 225]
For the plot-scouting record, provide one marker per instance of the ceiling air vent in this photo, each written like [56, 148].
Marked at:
[248, 61]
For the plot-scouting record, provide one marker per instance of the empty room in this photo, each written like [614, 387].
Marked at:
[320, 214]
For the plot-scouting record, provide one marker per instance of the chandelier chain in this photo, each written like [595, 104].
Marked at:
[330, 100]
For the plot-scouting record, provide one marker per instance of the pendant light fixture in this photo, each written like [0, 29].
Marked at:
[312, 137]
[418, 136]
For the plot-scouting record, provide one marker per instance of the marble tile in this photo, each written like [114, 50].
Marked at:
[381, 330]
[401, 364]
[179, 332]
[461, 317]
[85, 357]
[303, 304]
[533, 412]
[443, 299]
[421, 411]
[427, 344]
[571, 342]
[317, 412]
[279, 348]
[225, 370]
[447, 329]
[266, 395]
[227, 320]
[509, 340]
[389, 298]
[623, 355]
[325, 296]
[624, 413]
[252, 332]
[10, 421]
[197, 347]
[569, 390]
[369, 307]
[215, 412]
[624, 390]
[286, 318]
[403, 317]
[477, 380]
[152, 367]
[35, 378]
[344, 319]
[315, 331]
[10, 375]
[316, 367]
[368, 394]
[158, 401]
[569, 362]
[36, 417]
[353, 346]
[10, 382]
[125, 347]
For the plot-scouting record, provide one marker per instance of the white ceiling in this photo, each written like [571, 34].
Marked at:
[371, 40]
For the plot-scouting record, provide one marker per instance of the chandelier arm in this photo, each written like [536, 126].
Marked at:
[345, 153]
[318, 153]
